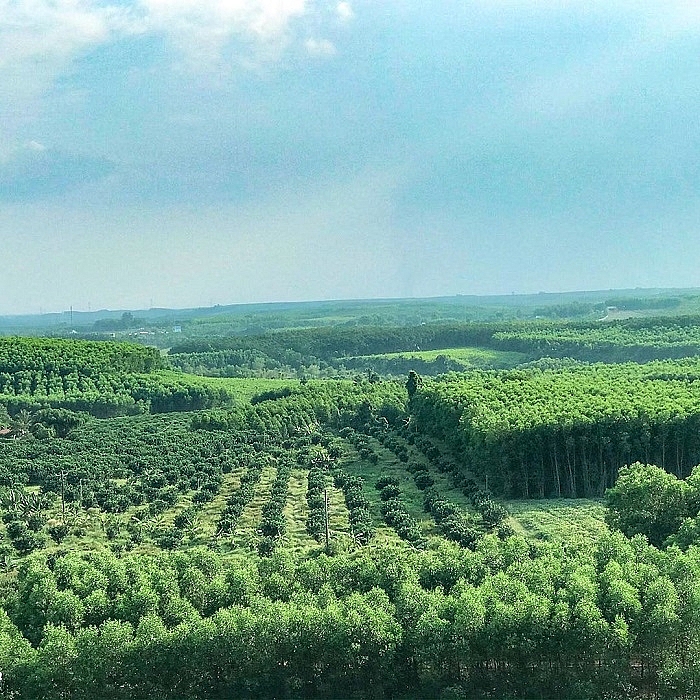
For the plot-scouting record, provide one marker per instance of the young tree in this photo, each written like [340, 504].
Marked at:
[413, 383]
[647, 500]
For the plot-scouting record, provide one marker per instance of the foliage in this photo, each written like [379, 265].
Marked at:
[106, 379]
[565, 430]
[509, 619]
[361, 523]
[648, 501]
[121, 579]
[444, 346]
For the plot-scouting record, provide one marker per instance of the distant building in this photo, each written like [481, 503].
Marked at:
[177, 329]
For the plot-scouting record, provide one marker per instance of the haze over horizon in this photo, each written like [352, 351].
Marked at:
[183, 153]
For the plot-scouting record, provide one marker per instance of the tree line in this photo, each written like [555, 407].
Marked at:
[104, 379]
[341, 349]
[510, 619]
[565, 431]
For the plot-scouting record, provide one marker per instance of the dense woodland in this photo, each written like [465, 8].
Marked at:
[101, 378]
[166, 535]
[566, 430]
[340, 350]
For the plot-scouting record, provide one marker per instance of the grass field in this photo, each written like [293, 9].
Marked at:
[558, 519]
[469, 358]
[241, 390]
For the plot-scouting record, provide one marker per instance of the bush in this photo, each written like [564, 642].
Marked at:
[389, 492]
[493, 513]
[386, 481]
[423, 480]
[58, 532]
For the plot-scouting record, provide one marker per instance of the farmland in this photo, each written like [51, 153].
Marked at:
[178, 535]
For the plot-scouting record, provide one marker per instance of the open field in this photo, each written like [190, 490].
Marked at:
[241, 390]
[560, 519]
[468, 358]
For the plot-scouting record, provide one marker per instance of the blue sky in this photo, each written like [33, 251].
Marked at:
[192, 152]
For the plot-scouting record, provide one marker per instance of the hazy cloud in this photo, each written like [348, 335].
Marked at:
[345, 11]
[262, 18]
[35, 171]
[35, 146]
[40, 38]
[202, 28]
[320, 47]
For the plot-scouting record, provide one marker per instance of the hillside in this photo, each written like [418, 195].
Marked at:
[289, 537]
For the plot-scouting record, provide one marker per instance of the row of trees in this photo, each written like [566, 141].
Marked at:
[107, 396]
[509, 619]
[53, 357]
[565, 431]
[273, 523]
[637, 340]
[332, 349]
[333, 403]
[105, 379]
[241, 497]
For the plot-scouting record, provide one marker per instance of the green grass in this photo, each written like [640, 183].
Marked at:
[558, 519]
[469, 358]
[296, 512]
[337, 511]
[240, 389]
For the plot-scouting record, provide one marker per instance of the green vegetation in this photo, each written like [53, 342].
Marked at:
[101, 378]
[559, 519]
[436, 348]
[511, 619]
[637, 340]
[172, 536]
[647, 500]
[434, 362]
[565, 431]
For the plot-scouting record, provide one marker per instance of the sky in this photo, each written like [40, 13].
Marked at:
[179, 153]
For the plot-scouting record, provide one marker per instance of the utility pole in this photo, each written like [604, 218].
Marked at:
[63, 497]
[325, 514]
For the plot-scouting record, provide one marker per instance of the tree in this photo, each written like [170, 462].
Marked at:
[5, 420]
[23, 423]
[647, 500]
[413, 383]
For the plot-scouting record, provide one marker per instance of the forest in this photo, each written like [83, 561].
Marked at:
[303, 512]
[340, 351]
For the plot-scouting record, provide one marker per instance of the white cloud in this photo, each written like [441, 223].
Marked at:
[320, 47]
[51, 31]
[201, 29]
[263, 19]
[36, 146]
[39, 39]
[344, 10]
